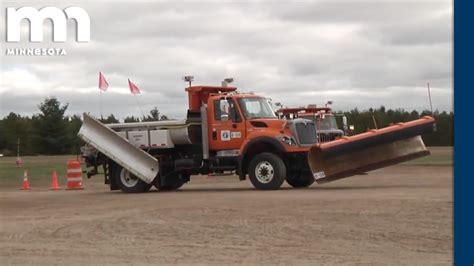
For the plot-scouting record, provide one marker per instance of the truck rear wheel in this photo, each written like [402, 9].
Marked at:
[171, 187]
[173, 182]
[267, 171]
[300, 180]
[128, 182]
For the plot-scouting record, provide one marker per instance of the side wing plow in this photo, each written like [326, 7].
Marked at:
[105, 140]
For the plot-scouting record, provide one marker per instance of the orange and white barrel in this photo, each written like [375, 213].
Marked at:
[74, 175]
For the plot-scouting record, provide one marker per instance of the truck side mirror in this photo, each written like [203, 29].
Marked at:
[224, 117]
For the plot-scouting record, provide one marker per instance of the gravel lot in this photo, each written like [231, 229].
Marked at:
[398, 215]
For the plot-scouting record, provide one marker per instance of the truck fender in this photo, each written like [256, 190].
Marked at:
[254, 147]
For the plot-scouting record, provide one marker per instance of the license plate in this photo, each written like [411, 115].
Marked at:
[319, 175]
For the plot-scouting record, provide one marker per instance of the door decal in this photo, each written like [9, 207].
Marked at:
[225, 135]
[235, 135]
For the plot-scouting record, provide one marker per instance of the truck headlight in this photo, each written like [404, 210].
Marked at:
[288, 140]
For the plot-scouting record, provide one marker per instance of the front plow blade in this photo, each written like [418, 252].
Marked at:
[368, 151]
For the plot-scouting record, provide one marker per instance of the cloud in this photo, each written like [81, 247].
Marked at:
[359, 54]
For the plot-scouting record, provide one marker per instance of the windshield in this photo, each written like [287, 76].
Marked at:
[328, 122]
[256, 108]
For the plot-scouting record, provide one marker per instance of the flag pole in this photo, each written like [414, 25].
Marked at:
[139, 106]
[429, 96]
[100, 104]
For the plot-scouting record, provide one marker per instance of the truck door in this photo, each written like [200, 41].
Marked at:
[226, 126]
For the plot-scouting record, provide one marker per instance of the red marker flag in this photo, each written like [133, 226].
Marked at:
[133, 88]
[103, 85]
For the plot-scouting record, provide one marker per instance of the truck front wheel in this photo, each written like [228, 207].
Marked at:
[128, 182]
[267, 171]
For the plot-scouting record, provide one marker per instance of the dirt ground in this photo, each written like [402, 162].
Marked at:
[398, 215]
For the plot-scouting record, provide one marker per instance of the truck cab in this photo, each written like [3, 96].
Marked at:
[235, 119]
[242, 125]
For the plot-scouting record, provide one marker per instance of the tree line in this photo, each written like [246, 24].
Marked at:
[381, 117]
[51, 132]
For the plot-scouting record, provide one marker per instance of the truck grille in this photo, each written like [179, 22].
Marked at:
[306, 132]
[326, 137]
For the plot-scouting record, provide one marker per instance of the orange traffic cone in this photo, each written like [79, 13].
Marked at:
[26, 183]
[54, 181]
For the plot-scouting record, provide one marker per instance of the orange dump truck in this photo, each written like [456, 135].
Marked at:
[230, 132]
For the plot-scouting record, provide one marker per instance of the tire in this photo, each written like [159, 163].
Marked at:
[300, 180]
[173, 183]
[128, 182]
[267, 171]
[172, 187]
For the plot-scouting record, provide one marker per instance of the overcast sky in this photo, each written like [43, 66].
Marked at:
[356, 53]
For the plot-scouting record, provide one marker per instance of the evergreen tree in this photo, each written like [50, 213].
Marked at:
[3, 141]
[109, 120]
[74, 125]
[131, 119]
[154, 115]
[50, 128]
[15, 127]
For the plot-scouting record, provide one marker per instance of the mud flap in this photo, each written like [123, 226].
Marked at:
[368, 151]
